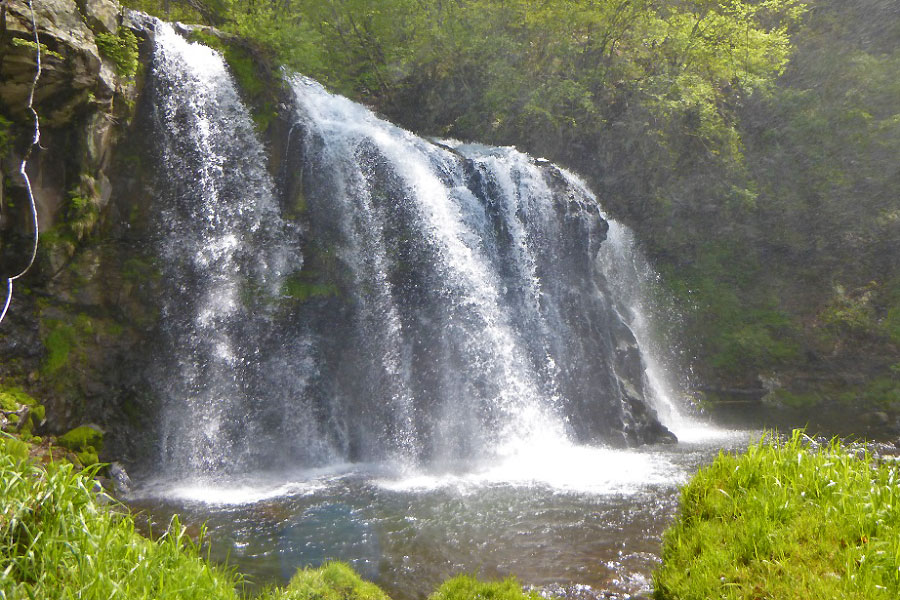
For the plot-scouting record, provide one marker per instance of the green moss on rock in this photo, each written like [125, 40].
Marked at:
[253, 79]
[86, 441]
[12, 402]
[11, 398]
[332, 581]
[122, 49]
[466, 587]
[62, 339]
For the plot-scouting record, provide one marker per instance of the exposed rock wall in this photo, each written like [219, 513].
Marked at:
[61, 335]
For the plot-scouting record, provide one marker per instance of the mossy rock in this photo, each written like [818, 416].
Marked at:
[88, 457]
[82, 439]
[14, 447]
[12, 398]
[332, 581]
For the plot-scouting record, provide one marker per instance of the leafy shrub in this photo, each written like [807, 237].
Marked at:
[121, 48]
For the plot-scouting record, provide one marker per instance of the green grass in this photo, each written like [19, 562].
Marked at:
[786, 520]
[332, 581]
[56, 541]
[465, 587]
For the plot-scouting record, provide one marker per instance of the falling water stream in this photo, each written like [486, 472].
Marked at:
[421, 357]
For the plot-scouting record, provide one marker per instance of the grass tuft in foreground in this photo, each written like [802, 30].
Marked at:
[465, 587]
[56, 541]
[786, 520]
[332, 581]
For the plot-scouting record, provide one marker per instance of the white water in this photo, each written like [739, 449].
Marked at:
[476, 338]
[631, 279]
[563, 468]
[218, 197]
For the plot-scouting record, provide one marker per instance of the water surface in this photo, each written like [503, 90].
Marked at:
[561, 516]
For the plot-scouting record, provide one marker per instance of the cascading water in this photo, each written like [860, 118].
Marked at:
[632, 280]
[472, 285]
[448, 305]
[224, 250]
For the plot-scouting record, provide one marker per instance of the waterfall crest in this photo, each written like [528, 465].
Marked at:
[386, 298]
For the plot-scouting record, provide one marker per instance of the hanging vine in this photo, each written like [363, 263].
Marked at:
[35, 140]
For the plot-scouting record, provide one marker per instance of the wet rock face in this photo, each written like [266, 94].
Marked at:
[65, 346]
[70, 61]
[75, 98]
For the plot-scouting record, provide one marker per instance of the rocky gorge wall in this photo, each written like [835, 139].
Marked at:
[75, 319]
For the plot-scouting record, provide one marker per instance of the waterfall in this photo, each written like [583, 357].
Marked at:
[385, 298]
[633, 282]
[224, 251]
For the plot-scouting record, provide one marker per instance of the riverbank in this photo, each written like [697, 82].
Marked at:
[786, 519]
[61, 536]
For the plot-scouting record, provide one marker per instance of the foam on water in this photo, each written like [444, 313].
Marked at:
[566, 468]
[246, 490]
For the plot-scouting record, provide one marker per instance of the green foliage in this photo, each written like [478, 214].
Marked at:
[56, 542]
[45, 51]
[741, 324]
[185, 12]
[465, 587]
[85, 441]
[82, 215]
[882, 392]
[122, 49]
[850, 314]
[332, 581]
[785, 520]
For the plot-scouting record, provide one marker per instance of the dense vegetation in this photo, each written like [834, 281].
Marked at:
[786, 520]
[57, 542]
[753, 144]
